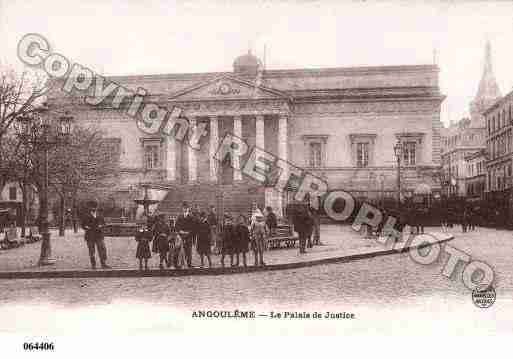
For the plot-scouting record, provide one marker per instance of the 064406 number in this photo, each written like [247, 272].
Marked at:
[38, 346]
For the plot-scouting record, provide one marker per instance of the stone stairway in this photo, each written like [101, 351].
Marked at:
[234, 199]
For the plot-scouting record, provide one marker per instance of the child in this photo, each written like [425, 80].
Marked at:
[228, 236]
[161, 234]
[204, 238]
[173, 244]
[242, 240]
[259, 233]
[143, 237]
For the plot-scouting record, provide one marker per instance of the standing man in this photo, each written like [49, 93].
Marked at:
[185, 227]
[316, 218]
[212, 222]
[303, 226]
[93, 224]
[271, 221]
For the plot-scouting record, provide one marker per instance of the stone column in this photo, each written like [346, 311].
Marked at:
[214, 142]
[193, 161]
[259, 132]
[237, 131]
[282, 138]
[171, 159]
[282, 154]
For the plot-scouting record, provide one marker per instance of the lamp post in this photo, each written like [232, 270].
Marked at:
[382, 183]
[398, 150]
[38, 131]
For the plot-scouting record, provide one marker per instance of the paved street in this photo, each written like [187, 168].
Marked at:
[382, 283]
[70, 251]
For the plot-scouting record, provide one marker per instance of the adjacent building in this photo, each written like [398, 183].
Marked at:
[338, 123]
[11, 198]
[475, 182]
[459, 140]
[499, 144]
[467, 138]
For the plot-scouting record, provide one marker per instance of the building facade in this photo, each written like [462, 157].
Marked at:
[459, 140]
[475, 182]
[340, 124]
[499, 123]
[11, 198]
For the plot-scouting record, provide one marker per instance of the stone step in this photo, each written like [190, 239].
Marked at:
[234, 199]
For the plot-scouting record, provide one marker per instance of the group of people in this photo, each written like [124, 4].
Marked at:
[174, 238]
[468, 218]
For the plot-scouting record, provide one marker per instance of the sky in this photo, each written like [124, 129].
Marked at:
[151, 37]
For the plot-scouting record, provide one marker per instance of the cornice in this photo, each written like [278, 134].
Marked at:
[279, 73]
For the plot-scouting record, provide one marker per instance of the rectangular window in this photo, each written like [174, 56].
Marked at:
[409, 153]
[362, 154]
[315, 154]
[152, 155]
[112, 148]
[12, 193]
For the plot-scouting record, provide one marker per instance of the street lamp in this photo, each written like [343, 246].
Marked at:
[382, 183]
[38, 131]
[398, 150]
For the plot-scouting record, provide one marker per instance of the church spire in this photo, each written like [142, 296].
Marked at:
[488, 88]
[488, 91]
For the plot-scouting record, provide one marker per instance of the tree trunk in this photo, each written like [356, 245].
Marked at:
[62, 216]
[24, 206]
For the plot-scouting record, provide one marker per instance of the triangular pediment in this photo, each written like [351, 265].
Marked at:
[227, 88]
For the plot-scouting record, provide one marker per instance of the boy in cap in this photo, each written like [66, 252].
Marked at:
[228, 238]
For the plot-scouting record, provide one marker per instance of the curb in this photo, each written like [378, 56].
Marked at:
[135, 273]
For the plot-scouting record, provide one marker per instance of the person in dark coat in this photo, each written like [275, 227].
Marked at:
[242, 233]
[143, 236]
[464, 220]
[443, 216]
[310, 228]
[204, 239]
[316, 225]
[302, 225]
[271, 220]
[213, 222]
[420, 214]
[229, 239]
[172, 257]
[93, 224]
[185, 226]
[161, 234]
[195, 211]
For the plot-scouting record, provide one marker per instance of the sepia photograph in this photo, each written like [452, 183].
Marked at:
[208, 170]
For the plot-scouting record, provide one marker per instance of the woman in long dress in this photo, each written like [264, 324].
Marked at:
[204, 239]
[229, 237]
[242, 240]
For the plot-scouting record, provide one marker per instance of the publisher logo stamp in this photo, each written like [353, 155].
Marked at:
[484, 297]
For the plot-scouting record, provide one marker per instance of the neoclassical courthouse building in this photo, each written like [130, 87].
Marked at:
[340, 124]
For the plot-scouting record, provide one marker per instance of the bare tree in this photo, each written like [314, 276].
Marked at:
[89, 162]
[20, 94]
